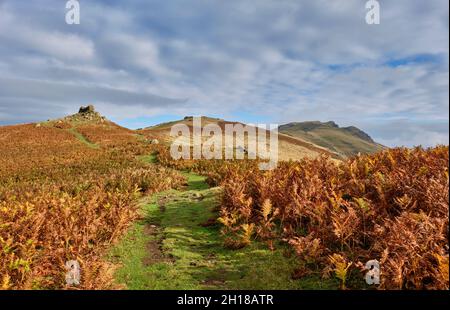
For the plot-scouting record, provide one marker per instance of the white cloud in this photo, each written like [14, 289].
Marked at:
[52, 43]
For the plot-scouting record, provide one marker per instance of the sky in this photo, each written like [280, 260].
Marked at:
[267, 61]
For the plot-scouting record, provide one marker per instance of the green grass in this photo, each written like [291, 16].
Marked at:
[151, 159]
[82, 138]
[340, 140]
[198, 259]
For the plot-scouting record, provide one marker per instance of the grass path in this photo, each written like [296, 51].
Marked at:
[172, 248]
[82, 138]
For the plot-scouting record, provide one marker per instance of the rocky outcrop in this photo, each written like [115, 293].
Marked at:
[88, 109]
[86, 114]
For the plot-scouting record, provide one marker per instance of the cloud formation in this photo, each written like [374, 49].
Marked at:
[277, 60]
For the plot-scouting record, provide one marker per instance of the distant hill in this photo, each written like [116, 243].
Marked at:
[288, 147]
[347, 141]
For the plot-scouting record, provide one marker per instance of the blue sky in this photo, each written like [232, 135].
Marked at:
[144, 62]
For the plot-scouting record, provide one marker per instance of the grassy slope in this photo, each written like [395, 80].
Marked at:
[194, 257]
[335, 139]
[288, 148]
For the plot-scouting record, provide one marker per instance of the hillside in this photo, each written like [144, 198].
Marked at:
[347, 141]
[68, 190]
[289, 148]
[93, 129]
[296, 140]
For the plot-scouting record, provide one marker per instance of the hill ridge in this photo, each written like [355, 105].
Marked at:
[347, 141]
[297, 139]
